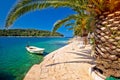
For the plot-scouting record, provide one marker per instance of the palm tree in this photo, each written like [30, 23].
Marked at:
[107, 30]
[107, 36]
[80, 26]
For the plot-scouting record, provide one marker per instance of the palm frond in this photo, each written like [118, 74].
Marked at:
[105, 5]
[113, 5]
[98, 4]
[71, 28]
[14, 15]
[25, 6]
[69, 24]
[59, 23]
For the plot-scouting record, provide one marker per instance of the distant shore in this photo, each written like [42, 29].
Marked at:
[28, 32]
[35, 36]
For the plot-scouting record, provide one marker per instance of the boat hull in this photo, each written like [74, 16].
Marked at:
[35, 50]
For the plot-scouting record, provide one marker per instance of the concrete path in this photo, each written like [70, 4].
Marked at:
[67, 63]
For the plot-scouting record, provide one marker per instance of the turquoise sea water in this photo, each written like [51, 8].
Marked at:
[15, 61]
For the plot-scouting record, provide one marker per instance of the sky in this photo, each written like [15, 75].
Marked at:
[39, 19]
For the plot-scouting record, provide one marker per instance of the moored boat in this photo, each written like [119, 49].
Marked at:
[36, 50]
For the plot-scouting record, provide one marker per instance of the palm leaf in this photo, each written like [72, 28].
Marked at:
[113, 4]
[98, 4]
[59, 23]
[69, 24]
[71, 28]
[25, 6]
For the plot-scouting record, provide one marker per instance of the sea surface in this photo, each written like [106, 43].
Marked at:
[15, 61]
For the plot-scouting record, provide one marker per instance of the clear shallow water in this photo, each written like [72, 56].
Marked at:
[15, 61]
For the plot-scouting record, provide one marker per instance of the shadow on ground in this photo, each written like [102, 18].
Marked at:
[84, 54]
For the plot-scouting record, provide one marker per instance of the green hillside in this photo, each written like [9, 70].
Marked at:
[27, 32]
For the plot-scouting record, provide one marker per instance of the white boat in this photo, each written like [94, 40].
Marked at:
[33, 49]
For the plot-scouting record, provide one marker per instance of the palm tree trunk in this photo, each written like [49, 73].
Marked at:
[85, 40]
[107, 40]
